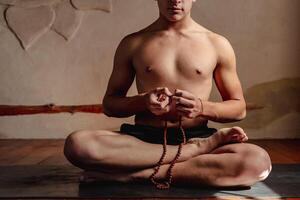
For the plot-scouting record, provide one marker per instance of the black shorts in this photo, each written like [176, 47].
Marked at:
[156, 135]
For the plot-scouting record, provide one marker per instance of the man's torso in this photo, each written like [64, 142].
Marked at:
[185, 61]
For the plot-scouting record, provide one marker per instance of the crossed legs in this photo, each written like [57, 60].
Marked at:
[229, 165]
[211, 161]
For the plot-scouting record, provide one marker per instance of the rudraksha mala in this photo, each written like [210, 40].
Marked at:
[167, 182]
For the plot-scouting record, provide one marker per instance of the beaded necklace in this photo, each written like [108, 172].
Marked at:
[167, 182]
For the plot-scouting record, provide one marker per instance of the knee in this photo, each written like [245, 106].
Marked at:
[76, 146]
[255, 166]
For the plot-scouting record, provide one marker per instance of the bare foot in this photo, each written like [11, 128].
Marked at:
[232, 135]
[95, 176]
[222, 136]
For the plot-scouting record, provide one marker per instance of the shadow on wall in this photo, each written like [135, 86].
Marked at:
[275, 100]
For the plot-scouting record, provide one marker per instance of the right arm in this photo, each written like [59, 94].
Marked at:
[115, 102]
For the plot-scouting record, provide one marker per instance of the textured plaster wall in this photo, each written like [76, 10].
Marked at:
[75, 70]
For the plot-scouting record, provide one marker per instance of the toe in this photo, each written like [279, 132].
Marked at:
[238, 129]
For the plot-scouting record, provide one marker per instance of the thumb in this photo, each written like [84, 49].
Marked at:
[167, 91]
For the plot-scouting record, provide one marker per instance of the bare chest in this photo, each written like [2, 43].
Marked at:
[172, 61]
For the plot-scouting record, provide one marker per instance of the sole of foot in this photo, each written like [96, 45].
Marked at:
[222, 136]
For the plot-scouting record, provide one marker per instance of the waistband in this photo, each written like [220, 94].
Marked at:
[158, 130]
[204, 126]
[155, 134]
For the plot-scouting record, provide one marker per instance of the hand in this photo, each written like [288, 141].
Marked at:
[158, 100]
[187, 104]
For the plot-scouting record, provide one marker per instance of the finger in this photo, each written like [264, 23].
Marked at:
[155, 106]
[183, 109]
[159, 89]
[185, 94]
[165, 103]
[168, 92]
[163, 90]
[154, 100]
[183, 102]
[159, 105]
[186, 114]
[157, 97]
[166, 109]
[161, 97]
[183, 114]
[162, 110]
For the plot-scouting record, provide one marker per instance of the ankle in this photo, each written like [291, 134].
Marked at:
[190, 150]
[217, 138]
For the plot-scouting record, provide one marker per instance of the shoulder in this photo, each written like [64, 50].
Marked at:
[219, 42]
[133, 40]
[222, 47]
[129, 41]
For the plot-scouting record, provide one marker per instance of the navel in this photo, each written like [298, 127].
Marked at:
[148, 69]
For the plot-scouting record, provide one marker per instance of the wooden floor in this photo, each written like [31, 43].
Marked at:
[50, 152]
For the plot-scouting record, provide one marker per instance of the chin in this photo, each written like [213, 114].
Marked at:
[175, 18]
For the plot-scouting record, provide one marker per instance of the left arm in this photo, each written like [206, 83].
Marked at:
[233, 106]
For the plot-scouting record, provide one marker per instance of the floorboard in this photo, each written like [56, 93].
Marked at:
[47, 152]
[62, 182]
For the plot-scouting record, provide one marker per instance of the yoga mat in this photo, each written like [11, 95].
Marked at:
[38, 181]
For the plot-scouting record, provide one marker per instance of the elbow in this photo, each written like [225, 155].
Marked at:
[242, 115]
[106, 110]
[109, 111]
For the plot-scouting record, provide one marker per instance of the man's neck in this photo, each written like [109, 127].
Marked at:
[186, 23]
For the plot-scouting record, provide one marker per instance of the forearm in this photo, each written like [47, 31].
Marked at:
[117, 106]
[226, 111]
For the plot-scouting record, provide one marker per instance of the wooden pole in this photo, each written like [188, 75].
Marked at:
[8, 110]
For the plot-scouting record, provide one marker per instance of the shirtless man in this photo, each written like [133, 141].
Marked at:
[178, 58]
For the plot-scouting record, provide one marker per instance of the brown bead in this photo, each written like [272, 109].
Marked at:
[167, 182]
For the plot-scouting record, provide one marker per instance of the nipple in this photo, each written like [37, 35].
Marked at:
[198, 71]
[148, 69]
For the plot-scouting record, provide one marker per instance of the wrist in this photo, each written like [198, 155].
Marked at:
[200, 107]
[190, 151]
[145, 100]
[209, 110]
[204, 108]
